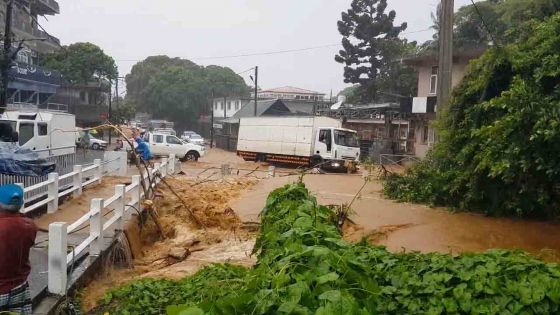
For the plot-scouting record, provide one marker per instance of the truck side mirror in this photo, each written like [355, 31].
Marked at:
[15, 136]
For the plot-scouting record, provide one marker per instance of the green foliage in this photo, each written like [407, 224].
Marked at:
[150, 296]
[498, 151]
[178, 89]
[372, 49]
[124, 111]
[502, 17]
[304, 267]
[81, 63]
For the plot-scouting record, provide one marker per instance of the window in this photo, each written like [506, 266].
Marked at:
[346, 138]
[326, 138]
[22, 57]
[158, 138]
[83, 96]
[26, 132]
[42, 129]
[433, 80]
[216, 105]
[237, 105]
[173, 140]
[229, 105]
[221, 105]
[425, 134]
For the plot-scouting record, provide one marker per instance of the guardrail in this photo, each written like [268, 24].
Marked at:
[120, 204]
[57, 186]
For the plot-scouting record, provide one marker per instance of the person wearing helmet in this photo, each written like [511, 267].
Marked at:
[17, 236]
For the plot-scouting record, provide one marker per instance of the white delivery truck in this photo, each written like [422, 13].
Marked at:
[298, 140]
[49, 133]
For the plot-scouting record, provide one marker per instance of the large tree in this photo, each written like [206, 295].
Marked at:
[81, 63]
[178, 89]
[371, 45]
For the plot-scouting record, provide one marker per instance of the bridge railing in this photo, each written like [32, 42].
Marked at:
[105, 217]
[57, 186]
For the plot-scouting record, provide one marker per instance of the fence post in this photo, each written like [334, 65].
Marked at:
[136, 191]
[271, 171]
[52, 189]
[98, 170]
[58, 243]
[77, 180]
[120, 190]
[22, 210]
[96, 227]
[171, 166]
[164, 166]
[157, 168]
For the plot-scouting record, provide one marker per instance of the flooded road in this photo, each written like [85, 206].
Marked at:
[408, 227]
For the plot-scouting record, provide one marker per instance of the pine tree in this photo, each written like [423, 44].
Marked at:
[371, 44]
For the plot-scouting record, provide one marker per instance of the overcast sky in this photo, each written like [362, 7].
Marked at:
[199, 30]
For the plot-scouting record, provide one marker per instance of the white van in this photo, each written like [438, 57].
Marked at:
[163, 145]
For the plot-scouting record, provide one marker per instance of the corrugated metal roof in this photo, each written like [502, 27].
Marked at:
[291, 90]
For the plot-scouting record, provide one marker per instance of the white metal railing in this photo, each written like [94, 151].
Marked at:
[56, 186]
[397, 159]
[119, 205]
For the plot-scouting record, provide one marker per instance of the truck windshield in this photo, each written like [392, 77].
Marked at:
[7, 129]
[346, 138]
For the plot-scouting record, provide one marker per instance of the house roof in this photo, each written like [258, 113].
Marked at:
[432, 56]
[264, 108]
[291, 90]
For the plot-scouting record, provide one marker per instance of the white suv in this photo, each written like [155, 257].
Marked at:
[164, 145]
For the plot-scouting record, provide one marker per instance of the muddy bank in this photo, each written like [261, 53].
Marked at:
[188, 246]
[409, 227]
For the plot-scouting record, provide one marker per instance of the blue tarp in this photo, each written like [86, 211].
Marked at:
[23, 162]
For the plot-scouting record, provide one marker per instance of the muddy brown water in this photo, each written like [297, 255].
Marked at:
[409, 227]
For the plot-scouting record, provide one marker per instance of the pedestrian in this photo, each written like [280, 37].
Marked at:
[143, 149]
[17, 236]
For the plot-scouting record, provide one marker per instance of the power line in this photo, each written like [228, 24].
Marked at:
[484, 22]
[268, 53]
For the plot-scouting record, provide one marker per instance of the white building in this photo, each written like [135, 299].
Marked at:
[291, 93]
[227, 107]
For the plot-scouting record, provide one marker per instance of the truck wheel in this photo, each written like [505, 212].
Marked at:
[191, 156]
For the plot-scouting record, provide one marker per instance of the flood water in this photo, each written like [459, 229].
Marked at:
[409, 227]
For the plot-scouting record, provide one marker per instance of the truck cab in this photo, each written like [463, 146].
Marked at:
[336, 148]
[162, 144]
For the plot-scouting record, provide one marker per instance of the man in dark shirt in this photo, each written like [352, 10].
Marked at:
[17, 236]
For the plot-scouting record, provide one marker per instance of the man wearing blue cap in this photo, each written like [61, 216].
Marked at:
[17, 236]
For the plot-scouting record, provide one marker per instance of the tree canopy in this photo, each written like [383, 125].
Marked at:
[178, 89]
[81, 63]
[371, 46]
[498, 151]
[502, 17]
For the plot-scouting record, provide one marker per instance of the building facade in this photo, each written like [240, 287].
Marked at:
[226, 107]
[291, 93]
[424, 105]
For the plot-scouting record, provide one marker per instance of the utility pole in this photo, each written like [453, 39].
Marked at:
[117, 93]
[256, 87]
[212, 120]
[445, 67]
[110, 107]
[225, 108]
[7, 60]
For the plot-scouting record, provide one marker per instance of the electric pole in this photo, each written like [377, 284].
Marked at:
[445, 67]
[6, 58]
[117, 93]
[110, 107]
[212, 120]
[256, 87]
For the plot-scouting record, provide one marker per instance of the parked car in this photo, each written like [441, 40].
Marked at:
[97, 144]
[196, 139]
[164, 145]
[187, 135]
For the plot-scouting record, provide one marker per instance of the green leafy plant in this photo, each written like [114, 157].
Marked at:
[305, 267]
[498, 151]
